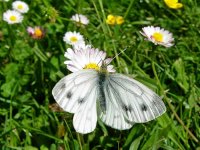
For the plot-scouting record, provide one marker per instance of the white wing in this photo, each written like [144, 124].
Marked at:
[85, 119]
[113, 116]
[133, 100]
[77, 93]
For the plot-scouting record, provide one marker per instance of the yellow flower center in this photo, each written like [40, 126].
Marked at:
[158, 37]
[173, 4]
[13, 18]
[119, 20]
[20, 6]
[73, 39]
[38, 32]
[92, 66]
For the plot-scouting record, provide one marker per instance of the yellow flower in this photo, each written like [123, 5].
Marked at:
[110, 19]
[119, 20]
[173, 4]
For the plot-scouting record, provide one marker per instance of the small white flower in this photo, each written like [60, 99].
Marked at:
[158, 35]
[12, 17]
[79, 18]
[20, 6]
[88, 58]
[73, 38]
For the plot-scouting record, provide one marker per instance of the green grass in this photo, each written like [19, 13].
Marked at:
[30, 68]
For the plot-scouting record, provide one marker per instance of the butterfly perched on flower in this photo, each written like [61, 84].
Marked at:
[94, 91]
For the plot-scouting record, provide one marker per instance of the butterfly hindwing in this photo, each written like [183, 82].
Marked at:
[85, 118]
[137, 102]
[113, 116]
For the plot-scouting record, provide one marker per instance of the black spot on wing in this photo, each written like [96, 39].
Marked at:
[127, 108]
[81, 100]
[69, 95]
[116, 116]
[62, 86]
[143, 107]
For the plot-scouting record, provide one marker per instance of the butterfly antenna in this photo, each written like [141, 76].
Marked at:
[118, 54]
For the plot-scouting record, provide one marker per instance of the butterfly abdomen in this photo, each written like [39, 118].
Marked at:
[102, 84]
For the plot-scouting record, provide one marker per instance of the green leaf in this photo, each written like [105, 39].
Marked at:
[180, 74]
[135, 144]
[43, 147]
[133, 133]
[40, 53]
[30, 148]
[21, 50]
[76, 145]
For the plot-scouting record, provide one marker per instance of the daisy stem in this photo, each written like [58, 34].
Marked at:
[171, 106]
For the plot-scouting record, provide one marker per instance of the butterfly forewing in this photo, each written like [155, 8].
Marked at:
[137, 102]
[71, 90]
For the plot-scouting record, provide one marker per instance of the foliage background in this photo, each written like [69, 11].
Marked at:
[30, 68]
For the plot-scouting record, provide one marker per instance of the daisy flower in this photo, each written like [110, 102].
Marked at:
[20, 6]
[158, 36]
[12, 17]
[173, 4]
[81, 19]
[87, 58]
[73, 38]
[36, 32]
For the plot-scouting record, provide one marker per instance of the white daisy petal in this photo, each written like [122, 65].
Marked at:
[79, 18]
[20, 6]
[12, 17]
[110, 68]
[158, 36]
[73, 38]
[108, 60]
[69, 53]
[87, 58]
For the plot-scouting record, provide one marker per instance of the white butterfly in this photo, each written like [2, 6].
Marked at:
[119, 101]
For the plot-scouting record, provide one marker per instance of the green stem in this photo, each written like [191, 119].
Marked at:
[79, 140]
[128, 9]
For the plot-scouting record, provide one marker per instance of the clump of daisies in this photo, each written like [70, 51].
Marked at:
[15, 16]
[80, 19]
[158, 36]
[36, 32]
[112, 20]
[83, 56]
